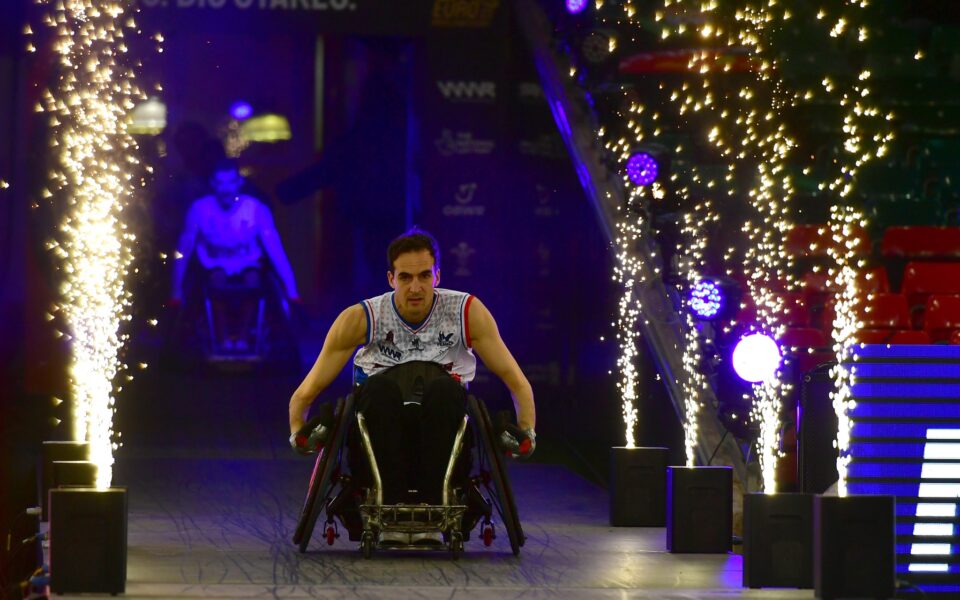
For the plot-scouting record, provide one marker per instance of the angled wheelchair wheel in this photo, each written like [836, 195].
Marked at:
[497, 486]
[322, 480]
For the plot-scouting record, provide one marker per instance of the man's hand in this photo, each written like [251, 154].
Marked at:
[311, 437]
[516, 442]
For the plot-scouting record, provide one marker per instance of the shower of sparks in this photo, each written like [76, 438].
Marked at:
[626, 273]
[93, 177]
[745, 126]
[847, 224]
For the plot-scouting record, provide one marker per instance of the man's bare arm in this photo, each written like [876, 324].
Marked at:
[270, 239]
[348, 331]
[185, 246]
[485, 339]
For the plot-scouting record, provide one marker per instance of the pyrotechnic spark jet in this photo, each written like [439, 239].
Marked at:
[626, 273]
[93, 177]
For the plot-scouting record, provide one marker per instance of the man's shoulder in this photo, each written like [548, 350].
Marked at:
[202, 201]
[452, 293]
[203, 205]
[376, 300]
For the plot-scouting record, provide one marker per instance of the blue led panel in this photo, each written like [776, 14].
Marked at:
[906, 443]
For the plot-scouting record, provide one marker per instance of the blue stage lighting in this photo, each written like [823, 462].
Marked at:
[642, 168]
[706, 299]
[241, 110]
[576, 6]
[756, 358]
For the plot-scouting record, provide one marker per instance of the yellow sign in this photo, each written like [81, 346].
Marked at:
[464, 13]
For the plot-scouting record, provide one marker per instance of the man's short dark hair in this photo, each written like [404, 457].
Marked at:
[413, 240]
[225, 164]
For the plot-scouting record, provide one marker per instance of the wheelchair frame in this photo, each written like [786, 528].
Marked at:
[330, 490]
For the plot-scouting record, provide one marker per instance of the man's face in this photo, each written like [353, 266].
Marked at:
[413, 278]
[226, 187]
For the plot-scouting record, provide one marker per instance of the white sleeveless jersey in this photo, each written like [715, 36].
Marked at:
[443, 337]
[229, 239]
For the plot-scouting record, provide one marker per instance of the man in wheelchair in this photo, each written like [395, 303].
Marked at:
[230, 232]
[416, 357]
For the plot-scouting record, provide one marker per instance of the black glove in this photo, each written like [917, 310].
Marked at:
[516, 442]
[310, 438]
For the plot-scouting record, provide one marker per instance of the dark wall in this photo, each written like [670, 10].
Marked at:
[24, 416]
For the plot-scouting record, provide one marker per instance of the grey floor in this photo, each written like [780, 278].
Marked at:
[214, 494]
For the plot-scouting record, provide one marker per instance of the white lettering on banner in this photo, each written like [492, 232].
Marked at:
[316, 5]
[452, 210]
[452, 143]
[531, 91]
[464, 196]
[468, 91]
[463, 251]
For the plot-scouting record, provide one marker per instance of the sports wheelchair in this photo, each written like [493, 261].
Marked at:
[479, 499]
[240, 321]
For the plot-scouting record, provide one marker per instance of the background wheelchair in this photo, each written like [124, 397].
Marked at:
[235, 323]
[480, 499]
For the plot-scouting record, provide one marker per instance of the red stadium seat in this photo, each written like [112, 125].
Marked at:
[874, 336]
[942, 317]
[923, 279]
[817, 283]
[795, 311]
[885, 311]
[808, 240]
[910, 336]
[804, 337]
[921, 241]
[814, 240]
[892, 336]
[874, 281]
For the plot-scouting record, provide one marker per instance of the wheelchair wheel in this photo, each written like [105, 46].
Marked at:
[366, 544]
[321, 481]
[500, 492]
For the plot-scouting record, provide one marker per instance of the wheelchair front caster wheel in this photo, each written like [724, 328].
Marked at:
[366, 544]
[456, 545]
[330, 534]
[488, 535]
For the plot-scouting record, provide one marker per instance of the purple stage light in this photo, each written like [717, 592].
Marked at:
[706, 299]
[756, 358]
[576, 6]
[642, 168]
[241, 110]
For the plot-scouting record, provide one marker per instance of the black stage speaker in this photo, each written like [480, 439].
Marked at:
[76, 473]
[638, 487]
[88, 540]
[778, 540]
[817, 432]
[56, 451]
[854, 549]
[699, 509]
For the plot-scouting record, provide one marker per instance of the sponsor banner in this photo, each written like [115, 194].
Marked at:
[546, 144]
[463, 13]
[480, 91]
[322, 16]
[531, 92]
[458, 142]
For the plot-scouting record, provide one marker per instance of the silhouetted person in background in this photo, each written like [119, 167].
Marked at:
[230, 233]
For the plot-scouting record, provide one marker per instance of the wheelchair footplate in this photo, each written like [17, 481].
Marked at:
[396, 526]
